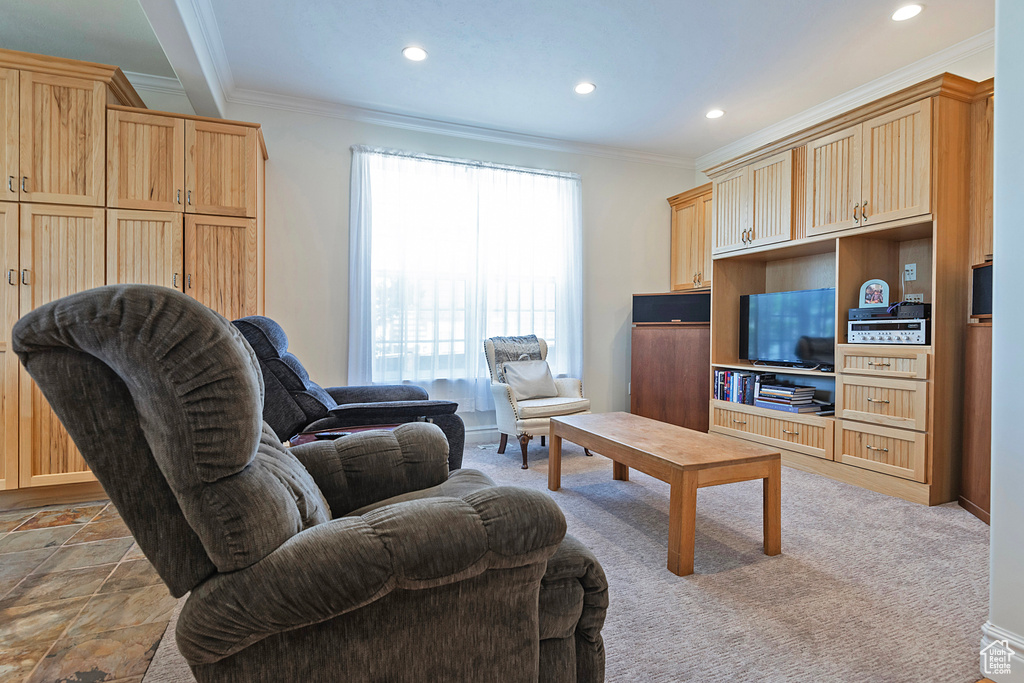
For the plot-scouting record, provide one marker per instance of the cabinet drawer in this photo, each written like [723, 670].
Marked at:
[884, 401]
[891, 451]
[883, 361]
[808, 434]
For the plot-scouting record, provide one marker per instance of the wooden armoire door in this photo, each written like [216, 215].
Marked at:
[706, 215]
[61, 253]
[771, 200]
[220, 169]
[145, 247]
[8, 361]
[145, 161]
[670, 375]
[732, 219]
[896, 164]
[10, 175]
[833, 181]
[62, 128]
[220, 264]
[685, 245]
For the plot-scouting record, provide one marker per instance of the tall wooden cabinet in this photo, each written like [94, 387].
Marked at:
[692, 216]
[98, 190]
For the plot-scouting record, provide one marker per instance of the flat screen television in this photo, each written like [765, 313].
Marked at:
[789, 328]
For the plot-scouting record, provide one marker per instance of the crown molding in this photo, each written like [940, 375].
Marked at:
[160, 84]
[209, 33]
[257, 98]
[886, 85]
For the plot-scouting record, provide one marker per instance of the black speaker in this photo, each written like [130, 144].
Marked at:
[682, 307]
[981, 304]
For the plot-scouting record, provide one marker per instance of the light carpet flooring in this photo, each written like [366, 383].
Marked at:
[868, 588]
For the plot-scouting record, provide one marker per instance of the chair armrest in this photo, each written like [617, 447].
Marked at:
[377, 393]
[352, 414]
[345, 564]
[364, 468]
[506, 408]
[569, 387]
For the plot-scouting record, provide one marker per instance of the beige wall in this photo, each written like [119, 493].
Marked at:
[625, 236]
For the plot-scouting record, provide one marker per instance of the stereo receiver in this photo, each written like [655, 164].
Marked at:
[892, 331]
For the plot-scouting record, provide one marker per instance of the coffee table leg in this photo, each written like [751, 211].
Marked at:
[619, 471]
[773, 509]
[682, 519]
[554, 460]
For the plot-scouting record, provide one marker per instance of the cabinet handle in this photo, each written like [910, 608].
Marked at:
[881, 365]
[24, 276]
[12, 276]
[864, 213]
[190, 280]
[700, 278]
[10, 183]
[189, 197]
[179, 196]
[876, 400]
[742, 422]
[875, 448]
[856, 220]
[786, 431]
[174, 281]
[750, 236]
[24, 179]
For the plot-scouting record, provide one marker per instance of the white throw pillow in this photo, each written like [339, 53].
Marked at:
[529, 379]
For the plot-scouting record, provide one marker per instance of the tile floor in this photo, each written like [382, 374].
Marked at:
[79, 602]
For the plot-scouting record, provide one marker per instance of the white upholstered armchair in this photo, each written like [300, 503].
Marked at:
[526, 418]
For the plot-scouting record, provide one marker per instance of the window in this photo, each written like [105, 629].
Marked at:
[445, 253]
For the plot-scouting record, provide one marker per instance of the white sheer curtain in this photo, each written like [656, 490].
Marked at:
[445, 253]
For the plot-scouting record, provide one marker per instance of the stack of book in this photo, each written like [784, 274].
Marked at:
[792, 399]
[738, 386]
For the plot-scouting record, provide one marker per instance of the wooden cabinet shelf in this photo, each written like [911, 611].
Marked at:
[769, 368]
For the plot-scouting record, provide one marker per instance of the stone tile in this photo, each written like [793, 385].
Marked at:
[101, 531]
[16, 566]
[110, 656]
[128, 575]
[126, 608]
[135, 553]
[86, 555]
[16, 663]
[12, 519]
[60, 516]
[17, 541]
[109, 512]
[73, 583]
[37, 623]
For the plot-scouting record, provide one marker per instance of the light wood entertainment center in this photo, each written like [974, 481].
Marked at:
[855, 198]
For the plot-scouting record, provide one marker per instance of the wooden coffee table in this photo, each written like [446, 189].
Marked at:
[684, 458]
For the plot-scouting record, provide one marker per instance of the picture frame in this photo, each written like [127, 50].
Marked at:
[874, 293]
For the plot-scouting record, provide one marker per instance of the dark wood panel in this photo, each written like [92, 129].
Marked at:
[976, 475]
[671, 374]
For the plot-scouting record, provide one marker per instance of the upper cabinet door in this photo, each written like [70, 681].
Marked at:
[706, 215]
[145, 247]
[685, 226]
[896, 175]
[8, 361]
[220, 169]
[732, 220]
[62, 129]
[833, 182]
[220, 264]
[9, 173]
[145, 161]
[771, 200]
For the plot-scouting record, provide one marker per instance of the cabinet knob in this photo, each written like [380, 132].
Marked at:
[10, 183]
[190, 280]
[24, 181]
[864, 213]
[179, 196]
[856, 220]
[189, 197]
[174, 281]
[700, 278]
[12, 277]
[24, 276]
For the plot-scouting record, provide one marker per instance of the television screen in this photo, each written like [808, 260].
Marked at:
[789, 327]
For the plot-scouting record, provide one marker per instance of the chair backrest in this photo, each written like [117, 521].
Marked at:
[502, 349]
[163, 398]
[292, 400]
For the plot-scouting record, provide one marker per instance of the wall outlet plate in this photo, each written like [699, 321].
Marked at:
[914, 298]
[910, 272]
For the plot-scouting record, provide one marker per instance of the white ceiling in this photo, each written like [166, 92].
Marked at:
[659, 65]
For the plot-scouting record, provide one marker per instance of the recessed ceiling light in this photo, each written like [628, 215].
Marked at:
[715, 114]
[906, 12]
[416, 54]
[585, 88]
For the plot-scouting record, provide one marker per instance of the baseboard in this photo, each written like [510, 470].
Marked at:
[482, 434]
[992, 634]
[51, 495]
[974, 510]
